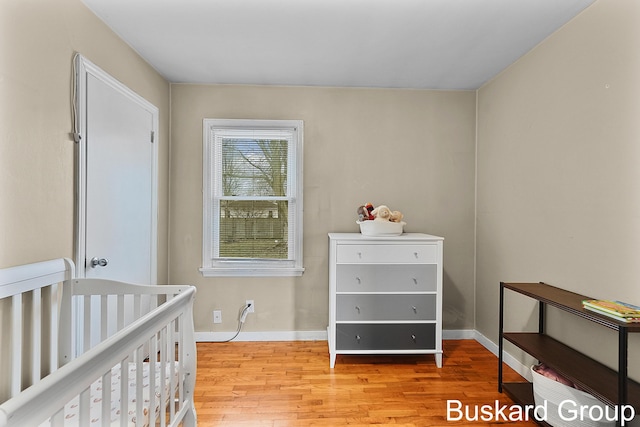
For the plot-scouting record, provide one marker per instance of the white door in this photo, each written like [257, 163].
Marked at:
[117, 191]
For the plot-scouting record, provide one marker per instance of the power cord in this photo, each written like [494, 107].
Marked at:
[243, 317]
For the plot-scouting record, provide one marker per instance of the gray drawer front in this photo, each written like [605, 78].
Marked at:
[385, 307]
[386, 336]
[386, 277]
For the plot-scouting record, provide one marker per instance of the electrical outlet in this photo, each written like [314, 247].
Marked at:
[252, 307]
[217, 316]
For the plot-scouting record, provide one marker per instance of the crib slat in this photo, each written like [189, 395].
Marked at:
[163, 379]
[137, 306]
[36, 335]
[52, 301]
[87, 323]
[67, 332]
[139, 390]
[124, 391]
[172, 369]
[105, 413]
[84, 413]
[120, 312]
[153, 357]
[181, 359]
[16, 345]
[57, 419]
[104, 307]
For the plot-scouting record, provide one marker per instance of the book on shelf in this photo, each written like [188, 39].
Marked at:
[613, 316]
[616, 309]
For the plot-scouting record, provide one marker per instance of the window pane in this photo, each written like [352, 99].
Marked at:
[254, 167]
[253, 229]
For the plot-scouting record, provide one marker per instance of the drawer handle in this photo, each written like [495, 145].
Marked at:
[359, 254]
[416, 254]
[413, 337]
[358, 339]
[359, 281]
[358, 308]
[415, 281]
[415, 310]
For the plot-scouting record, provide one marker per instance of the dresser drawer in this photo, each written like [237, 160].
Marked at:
[383, 337]
[387, 253]
[385, 307]
[386, 277]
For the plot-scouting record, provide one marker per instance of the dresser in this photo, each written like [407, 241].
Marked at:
[385, 295]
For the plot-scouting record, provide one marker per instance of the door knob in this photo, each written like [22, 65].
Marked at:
[102, 262]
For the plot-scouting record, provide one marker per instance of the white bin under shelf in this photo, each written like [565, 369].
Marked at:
[554, 393]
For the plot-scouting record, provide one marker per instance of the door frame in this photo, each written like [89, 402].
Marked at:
[83, 68]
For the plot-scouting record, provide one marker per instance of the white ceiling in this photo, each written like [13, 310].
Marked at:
[424, 44]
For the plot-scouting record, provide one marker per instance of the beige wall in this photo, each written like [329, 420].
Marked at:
[411, 150]
[37, 43]
[559, 173]
[557, 168]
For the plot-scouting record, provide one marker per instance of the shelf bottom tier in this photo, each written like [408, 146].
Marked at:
[592, 376]
[522, 394]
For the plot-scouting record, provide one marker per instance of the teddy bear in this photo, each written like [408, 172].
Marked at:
[381, 213]
[364, 212]
[396, 216]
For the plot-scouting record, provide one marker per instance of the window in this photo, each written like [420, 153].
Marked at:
[252, 198]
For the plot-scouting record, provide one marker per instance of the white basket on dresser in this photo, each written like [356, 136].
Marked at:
[385, 295]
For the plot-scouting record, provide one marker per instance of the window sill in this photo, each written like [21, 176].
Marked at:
[251, 272]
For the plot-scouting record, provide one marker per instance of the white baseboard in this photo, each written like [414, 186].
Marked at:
[448, 334]
[458, 334]
[511, 361]
[262, 336]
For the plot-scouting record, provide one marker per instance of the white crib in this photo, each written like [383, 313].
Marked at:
[62, 339]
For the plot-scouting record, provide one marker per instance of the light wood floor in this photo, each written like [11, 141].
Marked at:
[290, 384]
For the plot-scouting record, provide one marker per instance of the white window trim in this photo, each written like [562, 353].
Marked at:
[248, 268]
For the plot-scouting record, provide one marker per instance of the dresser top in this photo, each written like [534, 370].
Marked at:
[402, 237]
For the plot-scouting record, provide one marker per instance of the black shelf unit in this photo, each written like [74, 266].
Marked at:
[610, 386]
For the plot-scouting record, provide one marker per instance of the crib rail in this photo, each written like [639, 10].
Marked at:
[155, 333]
[63, 336]
[29, 301]
[100, 308]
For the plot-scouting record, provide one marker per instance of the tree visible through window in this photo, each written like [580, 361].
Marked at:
[253, 214]
[253, 197]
